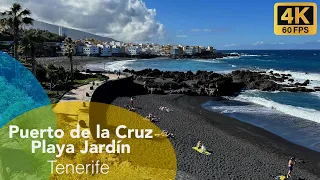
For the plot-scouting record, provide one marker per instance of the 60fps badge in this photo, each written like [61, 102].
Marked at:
[295, 18]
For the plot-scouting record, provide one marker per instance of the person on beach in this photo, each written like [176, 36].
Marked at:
[199, 144]
[167, 134]
[201, 147]
[291, 162]
[131, 102]
[145, 84]
[152, 118]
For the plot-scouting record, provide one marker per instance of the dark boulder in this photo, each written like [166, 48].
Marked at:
[306, 82]
[214, 75]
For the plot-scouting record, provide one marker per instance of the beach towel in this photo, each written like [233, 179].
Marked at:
[281, 177]
[206, 152]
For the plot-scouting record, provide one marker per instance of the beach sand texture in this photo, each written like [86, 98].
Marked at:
[240, 150]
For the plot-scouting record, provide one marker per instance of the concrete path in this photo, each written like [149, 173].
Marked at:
[79, 94]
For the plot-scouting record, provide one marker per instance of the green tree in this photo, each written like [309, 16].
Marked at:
[52, 75]
[41, 73]
[32, 39]
[15, 20]
[69, 51]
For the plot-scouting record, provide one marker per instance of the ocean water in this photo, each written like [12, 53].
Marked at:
[293, 116]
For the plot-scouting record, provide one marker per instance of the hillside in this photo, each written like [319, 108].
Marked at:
[74, 34]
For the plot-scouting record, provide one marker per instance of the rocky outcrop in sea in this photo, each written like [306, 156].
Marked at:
[214, 84]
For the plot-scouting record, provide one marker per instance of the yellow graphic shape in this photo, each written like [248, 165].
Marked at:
[152, 158]
[149, 158]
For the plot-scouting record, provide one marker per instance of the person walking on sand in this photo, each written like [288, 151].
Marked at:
[291, 162]
[131, 102]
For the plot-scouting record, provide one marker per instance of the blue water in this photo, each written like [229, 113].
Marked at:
[293, 116]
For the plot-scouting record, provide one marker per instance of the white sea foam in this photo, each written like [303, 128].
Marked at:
[253, 55]
[305, 113]
[301, 77]
[117, 65]
[208, 61]
[233, 65]
[231, 57]
[251, 109]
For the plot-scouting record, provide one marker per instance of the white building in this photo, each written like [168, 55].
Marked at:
[149, 51]
[133, 50]
[174, 50]
[157, 49]
[104, 50]
[114, 43]
[91, 50]
[189, 50]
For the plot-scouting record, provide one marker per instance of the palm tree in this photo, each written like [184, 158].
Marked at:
[69, 51]
[30, 40]
[15, 19]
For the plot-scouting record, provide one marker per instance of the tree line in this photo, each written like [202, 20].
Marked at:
[31, 41]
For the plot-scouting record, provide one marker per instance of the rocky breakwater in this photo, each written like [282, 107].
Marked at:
[211, 83]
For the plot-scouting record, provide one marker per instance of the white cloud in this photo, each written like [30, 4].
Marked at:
[230, 45]
[214, 30]
[181, 36]
[127, 20]
[258, 42]
[318, 41]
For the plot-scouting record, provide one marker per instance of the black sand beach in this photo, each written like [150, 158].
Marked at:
[79, 62]
[240, 150]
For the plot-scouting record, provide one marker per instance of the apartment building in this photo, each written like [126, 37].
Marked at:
[91, 50]
[133, 50]
[104, 50]
[189, 50]
[117, 51]
[167, 49]
[174, 51]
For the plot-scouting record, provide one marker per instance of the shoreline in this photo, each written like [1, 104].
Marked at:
[80, 62]
[231, 140]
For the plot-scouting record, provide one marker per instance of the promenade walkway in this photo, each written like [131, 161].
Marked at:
[79, 94]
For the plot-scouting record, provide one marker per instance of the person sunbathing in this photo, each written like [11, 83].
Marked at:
[201, 146]
[198, 144]
[163, 108]
[130, 108]
[167, 134]
[152, 118]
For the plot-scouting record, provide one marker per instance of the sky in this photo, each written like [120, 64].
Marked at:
[224, 24]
